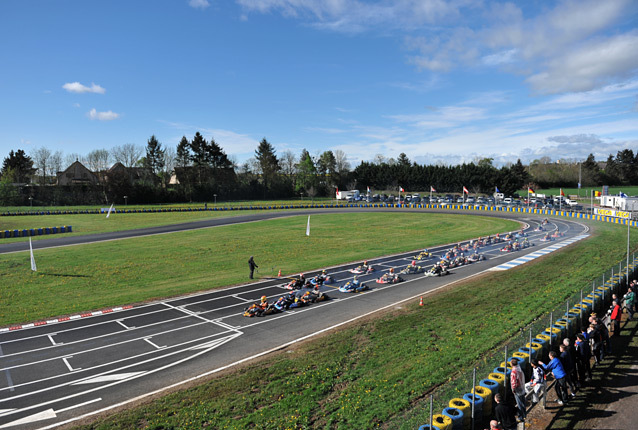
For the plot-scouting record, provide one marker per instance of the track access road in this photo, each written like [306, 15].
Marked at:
[55, 374]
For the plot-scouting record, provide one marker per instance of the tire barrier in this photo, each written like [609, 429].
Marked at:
[456, 415]
[499, 378]
[7, 234]
[486, 395]
[465, 407]
[478, 407]
[442, 421]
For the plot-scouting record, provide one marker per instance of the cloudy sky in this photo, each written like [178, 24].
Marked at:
[442, 81]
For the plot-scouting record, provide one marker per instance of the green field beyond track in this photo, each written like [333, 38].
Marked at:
[369, 375]
[94, 276]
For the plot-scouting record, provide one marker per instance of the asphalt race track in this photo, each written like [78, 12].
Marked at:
[57, 373]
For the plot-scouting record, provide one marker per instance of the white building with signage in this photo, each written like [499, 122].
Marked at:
[620, 203]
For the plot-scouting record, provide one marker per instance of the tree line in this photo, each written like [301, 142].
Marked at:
[198, 169]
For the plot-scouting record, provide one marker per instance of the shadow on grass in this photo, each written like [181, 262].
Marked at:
[65, 275]
[611, 380]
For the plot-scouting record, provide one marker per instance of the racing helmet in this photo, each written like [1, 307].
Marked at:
[264, 298]
[355, 278]
[323, 271]
[392, 270]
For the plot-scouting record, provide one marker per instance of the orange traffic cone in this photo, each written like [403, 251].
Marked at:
[279, 274]
[421, 302]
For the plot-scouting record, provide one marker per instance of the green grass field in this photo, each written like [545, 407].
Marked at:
[369, 375]
[94, 276]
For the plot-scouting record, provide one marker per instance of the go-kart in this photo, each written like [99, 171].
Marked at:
[547, 238]
[364, 268]
[256, 310]
[296, 284]
[539, 228]
[423, 255]
[558, 234]
[354, 286]
[437, 270]
[389, 278]
[411, 269]
[475, 257]
[321, 279]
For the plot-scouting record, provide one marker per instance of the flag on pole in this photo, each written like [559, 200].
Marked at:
[337, 193]
[530, 190]
[110, 209]
[308, 227]
[497, 190]
[368, 190]
[465, 190]
[33, 267]
[621, 194]
[401, 190]
[432, 190]
[562, 193]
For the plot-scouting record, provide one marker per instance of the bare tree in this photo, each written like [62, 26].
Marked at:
[98, 160]
[288, 163]
[56, 162]
[127, 154]
[170, 160]
[341, 162]
[42, 161]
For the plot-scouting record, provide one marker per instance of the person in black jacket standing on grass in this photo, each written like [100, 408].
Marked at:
[252, 265]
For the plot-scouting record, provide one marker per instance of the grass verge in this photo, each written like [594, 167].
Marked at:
[93, 276]
[368, 375]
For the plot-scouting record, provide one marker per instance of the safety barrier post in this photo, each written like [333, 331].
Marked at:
[431, 408]
[567, 316]
[581, 308]
[473, 395]
[551, 332]
[505, 378]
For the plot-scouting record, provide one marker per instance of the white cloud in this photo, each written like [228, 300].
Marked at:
[589, 66]
[353, 16]
[102, 116]
[503, 57]
[198, 4]
[76, 87]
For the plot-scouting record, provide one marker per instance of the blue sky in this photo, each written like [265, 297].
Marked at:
[442, 81]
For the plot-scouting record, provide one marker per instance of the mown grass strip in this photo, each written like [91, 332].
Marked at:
[99, 275]
[367, 376]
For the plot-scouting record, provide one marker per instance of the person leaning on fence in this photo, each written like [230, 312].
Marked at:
[517, 382]
[504, 413]
[536, 385]
[557, 370]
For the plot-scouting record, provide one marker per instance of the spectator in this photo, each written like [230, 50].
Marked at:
[596, 341]
[557, 370]
[571, 348]
[630, 300]
[494, 425]
[504, 413]
[517, 383]
[616, 317]
[537, 384]
[568, 365]
[583, 356]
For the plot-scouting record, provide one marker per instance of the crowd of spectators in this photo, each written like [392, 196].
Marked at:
[570, 366]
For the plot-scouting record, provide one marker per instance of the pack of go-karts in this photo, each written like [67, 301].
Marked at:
[291, 300]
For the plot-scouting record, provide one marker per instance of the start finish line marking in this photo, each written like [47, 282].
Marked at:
[539, 253]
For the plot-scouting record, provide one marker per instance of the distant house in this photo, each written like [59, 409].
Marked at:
[76, 174]
[134, 174]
